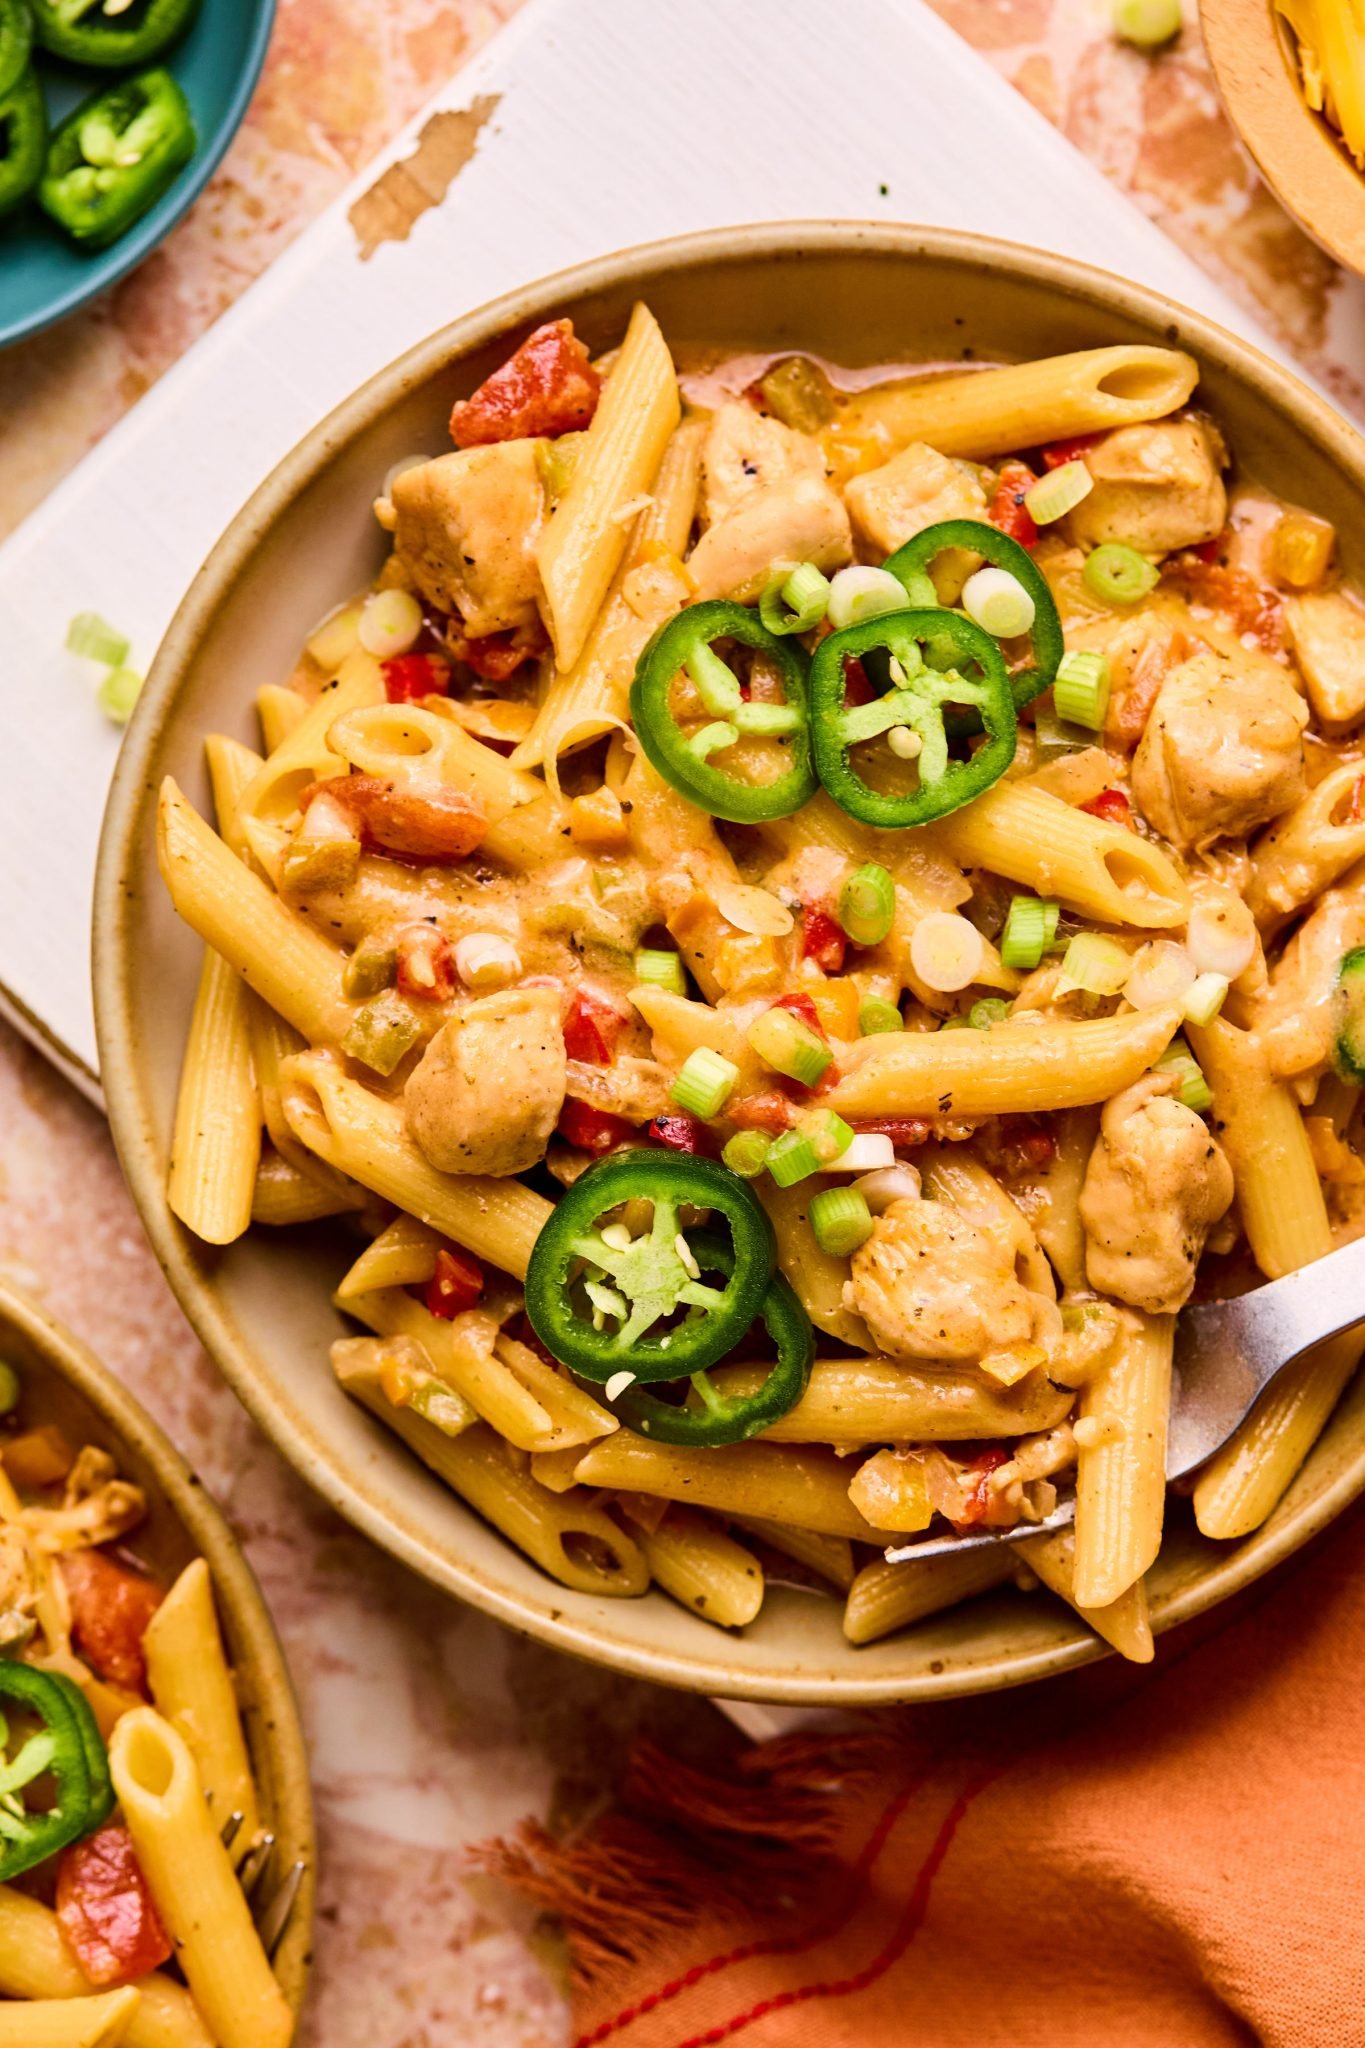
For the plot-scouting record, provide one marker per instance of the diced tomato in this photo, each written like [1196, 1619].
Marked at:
[592, 1028]
[1111, 805]
[456, 1285]
[1251, 608]
[105, 1910]
[1212, 550]
[823, 941]
[857, 688]
[111, 1607]
[905, 1132]
[767, 1112]
[548, 387]
[496, 656]
[1029, 1142]
[426, 965]
[978, 1498]
[801, 1006]
[410, 677]
[592, 1130]
[1074, 450]
[420, 827]
[1008, 511]
[683, 1134]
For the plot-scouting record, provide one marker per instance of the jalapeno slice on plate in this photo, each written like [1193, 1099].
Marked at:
[114, 155]
[90, 32]
[912, 562]
[23, 140]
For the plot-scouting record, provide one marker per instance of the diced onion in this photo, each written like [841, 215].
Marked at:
[868, 1153]
[1207, 995]
[486, 960]
[1221, 936]
[1162, 972]
[752, 910]
[998, 603]
[858, 594]
[946, 951]
[1098, 965]
[1058, 493]
[889, 1184]
[390, 623]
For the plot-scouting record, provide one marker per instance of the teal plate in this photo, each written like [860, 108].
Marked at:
[43, 276]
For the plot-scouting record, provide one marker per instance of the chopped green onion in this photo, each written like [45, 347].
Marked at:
[1098, 965]
[946, 951]
[747, 1153]
[874, 1015]
[1058, 493]
[91, 636]
[805, 589]
[791, 1158]
[841, 1221]
[1147, 24]
[788, 1046]
[961, 1022]
[1119, 574]
[998, 603]
[9, 1388]
[660, 970]
[1207, 994]
[859, 594]
[118, 694]
[1194, 1091]
[703, 1083]
[1081, 689]
[1029, 930]
[828, 1133]
[990, 1010]
[867, 904]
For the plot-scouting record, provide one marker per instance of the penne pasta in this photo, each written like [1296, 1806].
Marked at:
[190, 1683]
[462, 1356]
[1121, 1478]
[100, 2021]
[705, 1570]
[283, 1196]
[1124, 1623]
[281, 712]
[867, 1400]
[216, 1144]
[818, 1277]
[305, 755]
[1101, 870]
[829, 1557]
[36, 1964]
[1307, 849]
[403, 1255]
[806, 1488]
[885, 1597]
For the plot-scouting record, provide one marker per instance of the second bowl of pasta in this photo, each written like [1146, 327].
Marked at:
[781, 900]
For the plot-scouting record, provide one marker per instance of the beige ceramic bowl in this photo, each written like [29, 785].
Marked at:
[64, 1383]
[858, 294]
[1297, 152]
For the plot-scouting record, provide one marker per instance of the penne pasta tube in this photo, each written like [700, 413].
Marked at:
[1124, 1623]
[807, 1488]
[885, 1597]
[404, 1255]
[216, 1140]
[281, 712]
[1013, 1066]
[100, 2021]
[305, 755]
[462, 1355]
[190, 1876]
[680, 1027]
[883, 1400]
[364, 1137]
[818, 1277]
[829, 1557]
[575, 1418]
[35, 1963]
[704, 1569]
[1088, 865]
[1024, 405]
[1306, 850]
[190, 1683]
[1121, 1478]
[283, 1195]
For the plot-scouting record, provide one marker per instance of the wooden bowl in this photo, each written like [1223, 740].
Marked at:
[1298, 153]
[64, 1383]
[858, 294]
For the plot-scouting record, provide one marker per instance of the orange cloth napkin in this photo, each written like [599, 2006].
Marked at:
[1170, 1856]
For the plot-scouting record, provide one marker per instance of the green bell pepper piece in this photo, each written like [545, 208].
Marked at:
[16, 40]
[114, 155]
[90, 32]
[23, 140]
[1045, 636]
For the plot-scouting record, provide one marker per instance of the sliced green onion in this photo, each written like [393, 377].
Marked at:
[867, 904]
[1147, 24]
[858, 594]
[990, 1010]
[1177, 1059]
[1098, 965]
[946, 951]
[9, 1388]
[660, 970]
[390, 623]
[1119, 574]
[1029, 930]
[118, 694]
[961, 1022]
[1058, 493]
[841, 1221]
[747, 1153]
[789, 1047]
[1207, 994]
[874, 1015]
[791, 1158]
[998, 603]
[91, 636]
[1081, 689]
[828, 1133]
[795, 601]
[703, 1083]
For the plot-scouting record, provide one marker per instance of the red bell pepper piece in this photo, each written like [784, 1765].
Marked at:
[592, 1028]
[410, 677]
[496, 656]
[769, 1111]
[979, 1498]
[682, 1133]
[548, 387]
[456, 1285]
[1029, 1141]
[1074, 450]
[420, 827]
[111, 1607]
[592, 1130]
[905, 1132]
[105, 1910]
[1111, 805]
[1008, 511]
[426, 965]
[823, 940]
[801, 1006]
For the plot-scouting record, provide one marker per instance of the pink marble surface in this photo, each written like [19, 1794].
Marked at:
[429, 1726]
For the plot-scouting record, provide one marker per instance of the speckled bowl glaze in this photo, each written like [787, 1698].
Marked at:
[63, 1382]
[1297, 152]
[855, 293]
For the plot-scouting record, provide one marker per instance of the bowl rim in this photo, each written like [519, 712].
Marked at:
[108, 268]
[124, 822]
[236, 1591]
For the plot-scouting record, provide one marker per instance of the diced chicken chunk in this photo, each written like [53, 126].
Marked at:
[1327, 634]
[931, 1284]
[1295, 1020]
[1222, 752]
[801, 520]
[466, 531]
[488, 1092]
[745, 451]
[917, 488]
[1156, 1184]
[1157, 487]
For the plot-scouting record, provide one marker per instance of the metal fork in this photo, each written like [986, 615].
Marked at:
[1226, 1355]
[271, 1903]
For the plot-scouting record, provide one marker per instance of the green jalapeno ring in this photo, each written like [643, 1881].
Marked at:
[16, 41]
[735, 1418]
[23, 140]
[650, 1278]
[686, 642]
[103, 1798]
[1045, 635]
[110, 42]
[65, 1748]
[919, 703]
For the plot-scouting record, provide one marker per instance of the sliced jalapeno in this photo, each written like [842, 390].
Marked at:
[914, 560]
